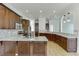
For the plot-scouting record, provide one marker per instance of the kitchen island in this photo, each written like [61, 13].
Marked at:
[12, 45]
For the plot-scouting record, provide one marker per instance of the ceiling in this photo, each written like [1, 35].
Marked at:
[36, 10]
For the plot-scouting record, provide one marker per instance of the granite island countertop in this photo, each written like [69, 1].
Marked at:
[23, 38]
[12, 35]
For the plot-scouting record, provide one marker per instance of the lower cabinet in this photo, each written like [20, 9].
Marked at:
[69, 44]
[39, 48]
[32, 48]
[1, 49]
[9, 48]
[48, 35]
[23, 48]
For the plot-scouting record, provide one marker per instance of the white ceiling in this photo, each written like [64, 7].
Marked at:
[48, 9]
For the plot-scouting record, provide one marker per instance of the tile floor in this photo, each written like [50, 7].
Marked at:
[54, 49]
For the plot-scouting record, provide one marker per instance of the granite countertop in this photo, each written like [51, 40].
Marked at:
[12, 35]
[66, 35]
[61, 34]
[23, 38]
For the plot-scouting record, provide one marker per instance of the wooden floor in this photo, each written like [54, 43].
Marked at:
[54, 49]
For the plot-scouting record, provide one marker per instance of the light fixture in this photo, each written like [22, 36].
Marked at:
[27, 11]
[64, 21]
[41, 11]
[68, 20]
[54, 11]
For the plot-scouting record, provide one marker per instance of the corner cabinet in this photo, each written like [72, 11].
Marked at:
[48, 35]
[69, 44]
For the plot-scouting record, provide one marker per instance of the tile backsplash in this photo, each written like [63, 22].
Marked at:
[8, 32]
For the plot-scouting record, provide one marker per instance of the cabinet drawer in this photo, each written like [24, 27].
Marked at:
[39, 49]
[23, 48]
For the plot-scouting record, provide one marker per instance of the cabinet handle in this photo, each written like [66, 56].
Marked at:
[16, 42]
[1, 43]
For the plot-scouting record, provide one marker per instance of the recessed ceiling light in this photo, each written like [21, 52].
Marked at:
[54, 11]
[41, 11]
[27, 11]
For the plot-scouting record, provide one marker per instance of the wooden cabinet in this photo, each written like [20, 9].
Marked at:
[25, 24]
[12, 20]
[48, 35]
[17, 18]
[8, 18]
[23, 48]
[1, 49]
[39, 48]
[2, 16]
[64, 43]
[9, 48]
[32, 48]
[69, 44]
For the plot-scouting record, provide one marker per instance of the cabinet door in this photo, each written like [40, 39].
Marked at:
[9, 48]
[64, 43]
[72, 45]
[23, 48]
[49, 36]
[12, 20]
[7, 19]
[2, 15]
[1, 49]
[17, 18]
[39, 48]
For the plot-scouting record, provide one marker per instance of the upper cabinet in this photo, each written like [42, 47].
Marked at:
[25, 24]
[8, 18]
[2, 15]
